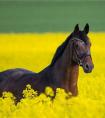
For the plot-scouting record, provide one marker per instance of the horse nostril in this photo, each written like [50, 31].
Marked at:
[87, 67]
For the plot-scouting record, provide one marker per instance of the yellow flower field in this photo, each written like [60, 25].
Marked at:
[34, 52]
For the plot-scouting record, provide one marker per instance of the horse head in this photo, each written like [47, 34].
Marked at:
[81, 48]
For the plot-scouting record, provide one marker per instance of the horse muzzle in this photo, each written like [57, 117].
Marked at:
[88, 67]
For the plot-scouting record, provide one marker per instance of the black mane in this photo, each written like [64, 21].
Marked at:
[60, 50]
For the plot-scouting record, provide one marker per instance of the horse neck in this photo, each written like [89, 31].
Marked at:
[72, 79]
[66, 72]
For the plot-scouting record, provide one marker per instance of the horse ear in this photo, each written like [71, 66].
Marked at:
[86, 28]
[76, 29]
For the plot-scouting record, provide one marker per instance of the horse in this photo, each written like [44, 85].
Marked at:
[62, 72]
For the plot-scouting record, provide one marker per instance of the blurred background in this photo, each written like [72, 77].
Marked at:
[50, 15]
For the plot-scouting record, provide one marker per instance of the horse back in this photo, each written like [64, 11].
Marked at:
[12, 76]
[13, 73]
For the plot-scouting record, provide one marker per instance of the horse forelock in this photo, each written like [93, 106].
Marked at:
[83, 37]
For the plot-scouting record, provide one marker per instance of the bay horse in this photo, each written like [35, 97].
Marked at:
[62, 72]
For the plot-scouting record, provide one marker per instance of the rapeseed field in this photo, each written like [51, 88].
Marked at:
[34, 52]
